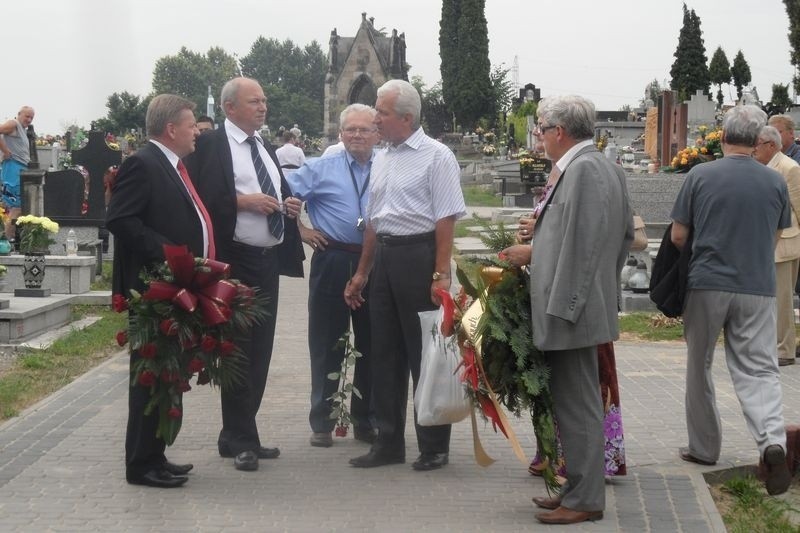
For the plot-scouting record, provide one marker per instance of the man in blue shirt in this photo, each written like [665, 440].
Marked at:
[335, 190]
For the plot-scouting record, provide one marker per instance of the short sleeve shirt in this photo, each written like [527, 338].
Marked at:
[735, 206]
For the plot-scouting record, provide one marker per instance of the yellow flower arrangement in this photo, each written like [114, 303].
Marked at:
[35, 233]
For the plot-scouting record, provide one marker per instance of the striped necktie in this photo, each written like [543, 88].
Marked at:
[275, 219]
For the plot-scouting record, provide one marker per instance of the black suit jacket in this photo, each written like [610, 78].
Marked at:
[149, 207]
[211, 169]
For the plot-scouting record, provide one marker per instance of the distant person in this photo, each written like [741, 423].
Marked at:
[16, 151]
[785, 126]
[336, 192]
[297, 133]
[290, 156]
[333, 149]
[731, 288]
[154, 203]
[787, 251]
[205, 123]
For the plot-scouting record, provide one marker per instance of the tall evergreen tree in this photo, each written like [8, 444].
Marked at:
[690, 71]
[719, 72]
[741, 73]
[465, 60]
[780, 98]
[793, 10]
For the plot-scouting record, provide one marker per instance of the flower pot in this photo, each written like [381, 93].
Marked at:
[5, 246]
[33, 265]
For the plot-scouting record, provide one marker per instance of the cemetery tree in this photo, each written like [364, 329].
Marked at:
[293, 79]
[466, 72]
[126, 111]
[652, 92]
[780, 101]
[720, 72]
[436, 119]
[741, 73]
[793, 11]
[189, 74]
[690, 71]
[502, 94]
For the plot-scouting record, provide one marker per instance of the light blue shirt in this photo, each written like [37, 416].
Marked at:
[327, 188]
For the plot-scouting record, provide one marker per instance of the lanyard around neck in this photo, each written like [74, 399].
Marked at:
[360, 193]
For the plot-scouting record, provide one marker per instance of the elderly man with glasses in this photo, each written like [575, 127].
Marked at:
[336, 191]
[787, 250]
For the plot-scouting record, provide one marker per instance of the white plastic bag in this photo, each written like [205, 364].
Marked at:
[440, 397]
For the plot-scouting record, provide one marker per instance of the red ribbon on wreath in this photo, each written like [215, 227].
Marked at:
[204, 286]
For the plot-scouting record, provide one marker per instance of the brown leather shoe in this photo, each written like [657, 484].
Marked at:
[562, 515]
[547, 503]
[785, 362]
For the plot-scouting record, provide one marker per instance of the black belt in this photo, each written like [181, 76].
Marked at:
[263, 250]
[399, 240]
[343, 246]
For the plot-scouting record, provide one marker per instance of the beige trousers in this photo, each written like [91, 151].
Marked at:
[786, 278]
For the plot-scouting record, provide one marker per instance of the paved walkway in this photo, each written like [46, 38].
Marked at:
[61, 462]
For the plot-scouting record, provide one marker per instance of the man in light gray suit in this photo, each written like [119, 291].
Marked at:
[580, 242]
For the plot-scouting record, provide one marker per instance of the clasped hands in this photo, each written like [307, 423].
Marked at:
[264, 204]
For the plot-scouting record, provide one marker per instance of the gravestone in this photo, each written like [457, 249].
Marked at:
[96, 157]
[700, 110]
[672, 126]
[63, 195]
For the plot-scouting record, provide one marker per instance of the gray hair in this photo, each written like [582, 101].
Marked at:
[355, 108]
[165, 109]
[771, 134]
[408, 100]
[574, 113]
[230, 91]
[742, 124]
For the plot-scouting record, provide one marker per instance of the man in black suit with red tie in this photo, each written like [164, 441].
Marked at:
[154, 203]
[240, 181]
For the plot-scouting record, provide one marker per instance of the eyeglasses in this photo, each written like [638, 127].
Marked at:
[541, 130]
[763, 142]
[358, 131]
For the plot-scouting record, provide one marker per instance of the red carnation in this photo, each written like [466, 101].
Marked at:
[174, 413]
[196, 365]
[245, 291]
[183, 386]
[122, 337]
[341, 431]
[148, 350]
[169, 377]
[168, 327]
[208, 343]
[147, 379]
[119, 303]
[227, 347]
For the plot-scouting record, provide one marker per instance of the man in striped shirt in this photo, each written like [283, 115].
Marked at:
[415, 200]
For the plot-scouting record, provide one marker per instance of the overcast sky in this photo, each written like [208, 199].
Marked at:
[65, 57]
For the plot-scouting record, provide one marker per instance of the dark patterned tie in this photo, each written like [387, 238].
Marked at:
[275, 219]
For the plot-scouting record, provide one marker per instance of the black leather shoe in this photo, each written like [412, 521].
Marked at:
[430, 461]
[263, 453]
[159, 478]
[177, 470]
[247, 461]
[267, 453]
[373, 459]
[365, 435]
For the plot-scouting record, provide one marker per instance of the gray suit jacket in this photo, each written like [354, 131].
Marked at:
[580, 244]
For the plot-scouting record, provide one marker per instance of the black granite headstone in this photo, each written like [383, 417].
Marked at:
[96, 157]
[63, 195]
[536, 171]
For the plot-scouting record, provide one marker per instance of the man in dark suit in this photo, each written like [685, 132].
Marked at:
[580, 242]
[240, 180]
[153, 205]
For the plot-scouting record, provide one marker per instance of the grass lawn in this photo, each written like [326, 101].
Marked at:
[479, 196]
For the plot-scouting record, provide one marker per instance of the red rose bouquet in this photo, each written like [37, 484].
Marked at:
[186, 324]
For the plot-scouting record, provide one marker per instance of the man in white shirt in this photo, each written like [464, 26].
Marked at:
[290, 156]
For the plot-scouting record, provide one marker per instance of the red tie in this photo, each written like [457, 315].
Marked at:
[193, 193]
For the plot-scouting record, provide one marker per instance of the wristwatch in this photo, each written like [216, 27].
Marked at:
[440, 275]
